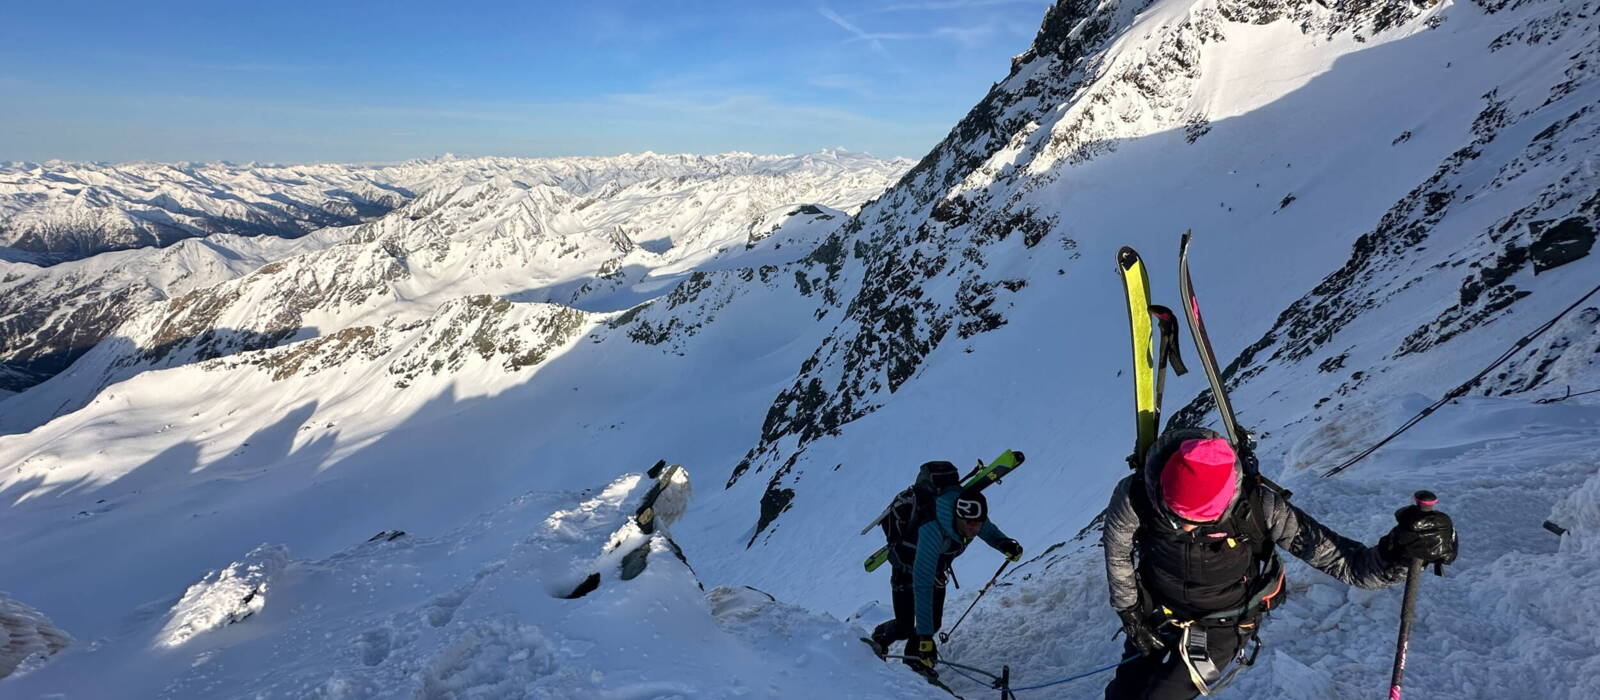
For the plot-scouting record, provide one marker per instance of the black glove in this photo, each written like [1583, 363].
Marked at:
[1011, 548]
[1139, 633]
[924, 651]
[1426, 535]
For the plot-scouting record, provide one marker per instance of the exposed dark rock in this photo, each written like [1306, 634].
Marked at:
[634, 562]
[773, 502]
[1554, 246]
[589, 584]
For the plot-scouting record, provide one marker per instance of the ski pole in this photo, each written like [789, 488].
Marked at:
[944, 637]
[1425, 500]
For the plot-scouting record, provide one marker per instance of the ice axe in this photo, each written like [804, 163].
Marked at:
[1425, 500]
[944, 637]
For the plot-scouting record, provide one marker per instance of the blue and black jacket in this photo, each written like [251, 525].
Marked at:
[937, 544]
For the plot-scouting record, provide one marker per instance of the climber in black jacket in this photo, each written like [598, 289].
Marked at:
[1190, 555]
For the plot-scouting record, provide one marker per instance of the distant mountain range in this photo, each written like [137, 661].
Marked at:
[561, 229]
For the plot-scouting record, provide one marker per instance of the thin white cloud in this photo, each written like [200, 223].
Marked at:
[872, 40]
[968, 36]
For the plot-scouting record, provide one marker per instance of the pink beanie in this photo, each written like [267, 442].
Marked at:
[1198, 481]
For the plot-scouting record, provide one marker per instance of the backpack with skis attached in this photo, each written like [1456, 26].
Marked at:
[914, 506]
[1249, 516]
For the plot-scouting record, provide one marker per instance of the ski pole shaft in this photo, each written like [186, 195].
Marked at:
[1425, 500]
[945, 636]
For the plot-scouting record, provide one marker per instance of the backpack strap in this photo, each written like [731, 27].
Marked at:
[1258, 512]
[1258, 517]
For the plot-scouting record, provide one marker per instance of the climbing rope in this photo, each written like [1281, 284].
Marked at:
[1085, 674]
[969, 677]
[951, 664]
[1002, 682]
[1460, 391]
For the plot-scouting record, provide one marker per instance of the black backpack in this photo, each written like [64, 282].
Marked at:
[1249, 518]
[914, 506]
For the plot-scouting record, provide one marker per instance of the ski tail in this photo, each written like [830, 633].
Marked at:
[992, 472]
[1202, 344]
[876, 521]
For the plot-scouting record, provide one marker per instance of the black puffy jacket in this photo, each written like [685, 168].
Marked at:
[1208, 570]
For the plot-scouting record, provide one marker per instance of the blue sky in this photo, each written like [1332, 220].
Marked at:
[292, 81]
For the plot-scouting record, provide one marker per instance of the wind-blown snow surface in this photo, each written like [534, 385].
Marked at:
[1385, 197]
[478, 612]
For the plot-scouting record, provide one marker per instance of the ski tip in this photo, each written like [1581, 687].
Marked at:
[1127, 258]
[1018, 456]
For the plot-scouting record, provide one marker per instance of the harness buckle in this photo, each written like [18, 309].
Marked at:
[1196, 656]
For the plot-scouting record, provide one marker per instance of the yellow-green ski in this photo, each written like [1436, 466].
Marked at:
[1136, 282]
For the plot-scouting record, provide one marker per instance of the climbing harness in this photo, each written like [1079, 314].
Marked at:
[1196, 656]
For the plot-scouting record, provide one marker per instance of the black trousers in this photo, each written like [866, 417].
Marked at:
[1164, 677]
[904, 624]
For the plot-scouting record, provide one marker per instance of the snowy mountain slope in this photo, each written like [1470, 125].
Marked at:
[415, 424]
[1254, 246]
[1520, 204]
[588, 232]
[930, 276]
[970, 309]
